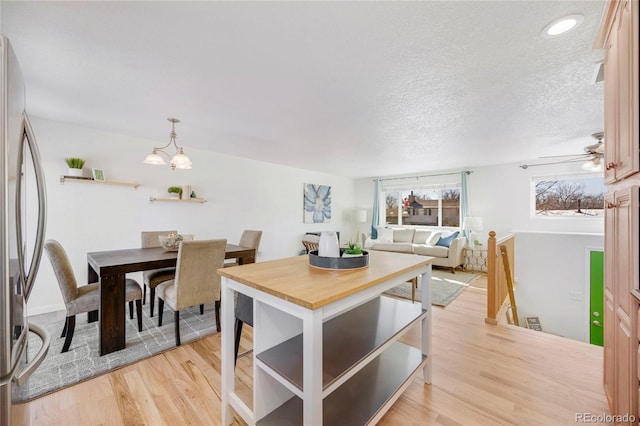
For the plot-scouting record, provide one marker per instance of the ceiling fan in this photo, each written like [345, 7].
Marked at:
[592, 157]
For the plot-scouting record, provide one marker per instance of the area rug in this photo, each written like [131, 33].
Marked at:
[445, 287]
[83, 361]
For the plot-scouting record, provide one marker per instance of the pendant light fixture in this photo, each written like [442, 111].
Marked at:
[179, 160]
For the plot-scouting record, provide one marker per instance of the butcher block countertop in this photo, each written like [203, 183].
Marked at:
[294, 280]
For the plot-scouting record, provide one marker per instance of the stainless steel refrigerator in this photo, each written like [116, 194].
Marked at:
[22, 226]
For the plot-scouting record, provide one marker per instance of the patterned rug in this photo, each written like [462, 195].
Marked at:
[445, 287]
[83, 362]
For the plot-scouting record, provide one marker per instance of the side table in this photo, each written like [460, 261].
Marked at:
[475, 259]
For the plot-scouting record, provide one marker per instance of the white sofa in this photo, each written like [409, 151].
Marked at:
[418, 241]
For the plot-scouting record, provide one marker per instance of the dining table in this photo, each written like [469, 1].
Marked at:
[109, 268]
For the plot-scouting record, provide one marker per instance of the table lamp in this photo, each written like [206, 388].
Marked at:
[472, 224]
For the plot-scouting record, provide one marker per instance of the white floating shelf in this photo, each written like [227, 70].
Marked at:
[64, 179]
[179, 200]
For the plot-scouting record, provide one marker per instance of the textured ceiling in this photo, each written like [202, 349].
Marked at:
[349, 88]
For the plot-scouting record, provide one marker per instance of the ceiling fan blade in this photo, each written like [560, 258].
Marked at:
[568, 155]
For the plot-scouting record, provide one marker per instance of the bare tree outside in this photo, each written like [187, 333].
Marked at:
[570, 197]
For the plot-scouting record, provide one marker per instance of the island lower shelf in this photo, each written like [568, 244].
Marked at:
[358, 400]
[348, 340]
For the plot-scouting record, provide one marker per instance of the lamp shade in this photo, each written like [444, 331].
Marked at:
[154, 158]
[361, 215]
[472, 223]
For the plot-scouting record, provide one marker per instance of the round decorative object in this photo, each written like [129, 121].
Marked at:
[170, 242]
[350, 262]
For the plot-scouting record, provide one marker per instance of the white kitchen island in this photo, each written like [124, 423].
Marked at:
[326, 347]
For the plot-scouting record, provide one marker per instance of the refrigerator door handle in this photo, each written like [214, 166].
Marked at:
[21, 376]
[28, 279]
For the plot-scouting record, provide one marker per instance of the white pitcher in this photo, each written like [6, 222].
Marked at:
[328, 245]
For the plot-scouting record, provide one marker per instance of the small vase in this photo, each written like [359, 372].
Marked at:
[75, 172]
[328, 245]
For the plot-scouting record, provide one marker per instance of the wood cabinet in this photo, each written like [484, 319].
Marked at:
[621, 308]
[621, 92]
[326, 343]
[618, 35]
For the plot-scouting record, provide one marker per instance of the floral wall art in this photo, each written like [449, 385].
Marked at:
[317, 203]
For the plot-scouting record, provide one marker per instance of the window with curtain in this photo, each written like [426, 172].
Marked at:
[422, 201]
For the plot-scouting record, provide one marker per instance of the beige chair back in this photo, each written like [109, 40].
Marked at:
[150, 238]
[197, 281]
[311, 242]
[63, 270]
[250, 239]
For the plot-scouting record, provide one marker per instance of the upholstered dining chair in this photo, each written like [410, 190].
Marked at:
[196, 281]
[154, 277]
[244, 304]
[310, 242]
[86, 298]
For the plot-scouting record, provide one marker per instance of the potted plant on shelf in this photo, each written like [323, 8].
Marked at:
[75, 166]
[175, 192]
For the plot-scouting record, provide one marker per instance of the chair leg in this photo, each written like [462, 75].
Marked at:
[176, 319]
[201, 309]
[131, 309]
[237, 341]
[92, 316]
[70, 326]
[64, 330]
[152, 300]
[453, 270]
[160, 310]
[144, 294]
[139, 313]
[217, 306]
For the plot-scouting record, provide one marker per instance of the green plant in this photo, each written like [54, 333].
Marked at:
[174, 190]
[74, 163]
[353, 248]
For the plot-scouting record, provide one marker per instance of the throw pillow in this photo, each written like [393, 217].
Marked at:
[433, 239]
[385, 235]
[446, 241]
[420, 237]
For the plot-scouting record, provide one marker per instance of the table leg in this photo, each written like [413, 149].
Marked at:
[92, 278]
[228, 321]
[112, 313]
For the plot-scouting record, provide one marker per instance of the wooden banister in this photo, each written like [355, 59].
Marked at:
[497, 285]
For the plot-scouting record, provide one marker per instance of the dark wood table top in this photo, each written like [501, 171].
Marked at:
[140, 259]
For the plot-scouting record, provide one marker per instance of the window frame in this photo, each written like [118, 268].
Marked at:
[560, 176]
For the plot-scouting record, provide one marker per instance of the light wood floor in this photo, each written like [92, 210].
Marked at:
[482, 375]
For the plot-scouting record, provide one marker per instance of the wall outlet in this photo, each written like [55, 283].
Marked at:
[575, 296]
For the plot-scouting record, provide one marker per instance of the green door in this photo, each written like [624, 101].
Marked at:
[596, 297]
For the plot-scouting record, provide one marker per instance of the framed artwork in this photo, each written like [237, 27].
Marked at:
[98, 174]
[317, 203]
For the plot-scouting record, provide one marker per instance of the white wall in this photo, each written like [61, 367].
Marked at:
[501, 195]
[553, 280]
[241, 194]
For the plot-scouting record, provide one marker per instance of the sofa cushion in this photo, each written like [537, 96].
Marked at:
[446, 241]
[385, 235]
[420, 237]
[435, 251]
[399, 247]
[433, 238]
[403, 235]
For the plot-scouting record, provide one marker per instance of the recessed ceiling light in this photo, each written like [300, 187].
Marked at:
[562, 25]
